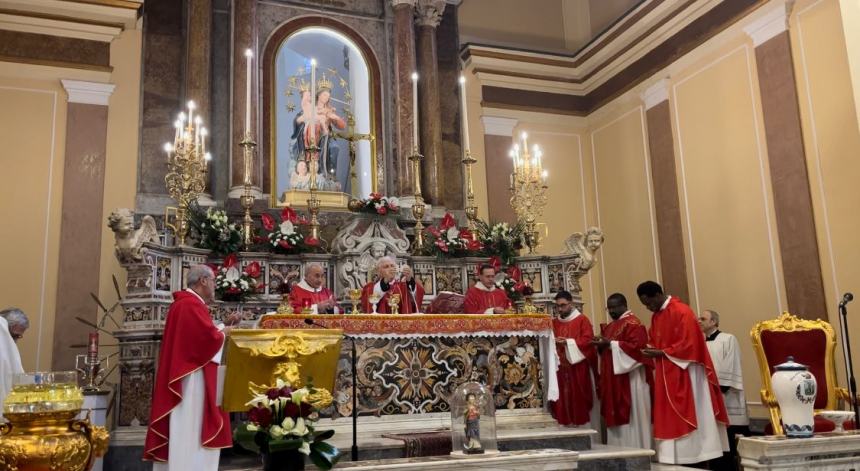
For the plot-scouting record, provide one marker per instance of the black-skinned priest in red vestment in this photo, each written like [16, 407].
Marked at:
[485, 297]
[187, 428]
[311, 293]
[690, 417]
[577, 368]
[625, 392]
[389, 282]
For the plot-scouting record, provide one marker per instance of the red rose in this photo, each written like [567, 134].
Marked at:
[447, 222]
[253, 270]
[284, 244]
[268, 222]
[376, 196]
[261, 416]
[233, 290]
[291, 410]
[273, 393]
[305, 409]
[288, 214]
[230, 261]
[381, 210]
[285, 391]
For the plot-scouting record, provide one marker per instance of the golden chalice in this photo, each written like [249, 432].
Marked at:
[285, 307]
[355, 297]
[394, 303]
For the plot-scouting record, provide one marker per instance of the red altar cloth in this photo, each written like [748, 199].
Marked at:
[414, 324]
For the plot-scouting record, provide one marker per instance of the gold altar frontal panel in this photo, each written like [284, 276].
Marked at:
[261, 355]
[329, 200]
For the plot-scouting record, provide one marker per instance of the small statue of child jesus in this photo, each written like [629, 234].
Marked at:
[472, 415]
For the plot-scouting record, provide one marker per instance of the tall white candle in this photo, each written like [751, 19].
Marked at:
[191, 107]
[313, 116]
[464, 117]
[415, 111]
[248, 57]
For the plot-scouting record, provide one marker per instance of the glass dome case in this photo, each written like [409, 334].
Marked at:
[473, 420]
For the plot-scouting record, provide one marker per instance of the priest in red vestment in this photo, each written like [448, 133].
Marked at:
[690, 417]
[625, 396]
[577, 370]
[186, 426]
[310, 292]
[410, 290]
[485, 297]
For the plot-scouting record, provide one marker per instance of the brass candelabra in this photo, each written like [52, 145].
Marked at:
[471, 209]
[528, 189]
[418, 206]
[187, 169]
[247, 198]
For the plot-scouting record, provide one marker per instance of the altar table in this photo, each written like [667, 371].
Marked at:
[410, 364]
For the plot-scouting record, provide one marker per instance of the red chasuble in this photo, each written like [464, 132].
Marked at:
[190, 341]
[303, 292]
[575, 399]
[407, 303]
[676, 331]
[479, 300]
[615, 389]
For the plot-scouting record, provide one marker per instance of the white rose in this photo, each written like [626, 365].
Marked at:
[287, 227]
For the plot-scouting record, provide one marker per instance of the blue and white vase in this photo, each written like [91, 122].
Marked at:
[795, 389]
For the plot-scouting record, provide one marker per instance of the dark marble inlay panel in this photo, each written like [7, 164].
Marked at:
[45, 47]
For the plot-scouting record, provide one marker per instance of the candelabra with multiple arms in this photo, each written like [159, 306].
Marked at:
[187, 169]
[528, 189]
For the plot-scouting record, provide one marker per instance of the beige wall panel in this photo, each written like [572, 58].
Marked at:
[32, 128]
[724, 191]
[624, 206]
[531, 25]
[832, 141]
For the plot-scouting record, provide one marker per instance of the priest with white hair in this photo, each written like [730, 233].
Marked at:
[393, 280]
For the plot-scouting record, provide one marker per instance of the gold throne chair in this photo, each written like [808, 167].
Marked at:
[811, 343]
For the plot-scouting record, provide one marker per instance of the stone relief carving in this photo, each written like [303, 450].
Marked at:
[364, 240]
[129, 242]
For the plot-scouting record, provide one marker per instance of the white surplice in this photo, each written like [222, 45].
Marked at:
[637, 432]
[186, 423]
[710, 439]
[10, 362]
[726, 355]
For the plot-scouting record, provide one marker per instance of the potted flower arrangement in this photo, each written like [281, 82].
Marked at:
[286, 237]
[500, 239]
[213, 231]
[282, 428]
[513, 285]
[377, 203]
[450, 240]
[233, 283]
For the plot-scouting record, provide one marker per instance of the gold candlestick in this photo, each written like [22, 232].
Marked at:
[471, 209]
[418, 206]
[187, 169]
[313, 201]
[247, 199]
[355, 297]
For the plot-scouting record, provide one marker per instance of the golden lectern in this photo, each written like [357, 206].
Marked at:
[260, 356]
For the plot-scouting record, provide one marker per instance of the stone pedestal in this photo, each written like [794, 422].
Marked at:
[96, 403]
[823, 452]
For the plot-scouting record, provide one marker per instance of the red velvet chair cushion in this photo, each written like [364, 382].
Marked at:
[808, 347]
[446, 302]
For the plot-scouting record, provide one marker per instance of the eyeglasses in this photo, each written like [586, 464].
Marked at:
[16, 336]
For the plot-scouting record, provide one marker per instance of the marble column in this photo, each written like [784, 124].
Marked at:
[81, 226]
[792, 199]
[432, 172]
[198, 70]
[498, 139]
[404, 65]
[450, 111]
[667, 205]
[244, 37]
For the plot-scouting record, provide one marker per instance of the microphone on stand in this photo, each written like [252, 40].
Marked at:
[846, 350]
[354, 451]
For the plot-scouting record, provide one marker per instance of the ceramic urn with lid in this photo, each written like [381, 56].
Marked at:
[795, 389]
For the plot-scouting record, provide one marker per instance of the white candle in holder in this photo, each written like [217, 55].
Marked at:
[465, 117]
[248, 56]
[415, 111]
[313, 121]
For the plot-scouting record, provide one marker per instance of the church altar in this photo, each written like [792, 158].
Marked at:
[411, 364]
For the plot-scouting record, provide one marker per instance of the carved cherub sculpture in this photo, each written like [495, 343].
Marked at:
[585, 246]
[129, 242]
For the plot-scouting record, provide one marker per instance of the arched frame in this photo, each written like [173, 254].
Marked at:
[330, 200]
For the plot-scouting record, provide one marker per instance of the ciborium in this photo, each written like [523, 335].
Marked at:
[394, 303]
[43, 432]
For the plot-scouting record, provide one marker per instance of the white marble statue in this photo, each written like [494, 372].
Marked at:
[129, 242]
[585, 246]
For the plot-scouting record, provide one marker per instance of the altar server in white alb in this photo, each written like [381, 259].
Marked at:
[13, 323]
[726, 355]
